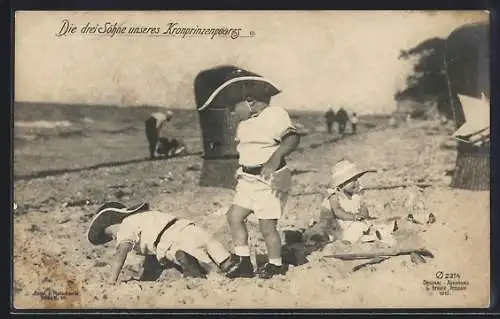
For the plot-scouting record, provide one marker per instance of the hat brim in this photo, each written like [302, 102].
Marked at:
[106, 217]
[237, 89]
[356, 175]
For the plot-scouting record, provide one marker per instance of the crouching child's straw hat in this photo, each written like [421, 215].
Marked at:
[110, 213]
[344, 171]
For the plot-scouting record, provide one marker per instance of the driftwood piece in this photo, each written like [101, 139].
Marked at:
[385, 187]
[414, 257]
[381, 253]
[378, 187]
[373, 261]
[417, 259]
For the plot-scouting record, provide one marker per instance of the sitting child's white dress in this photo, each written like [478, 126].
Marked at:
[354, 230]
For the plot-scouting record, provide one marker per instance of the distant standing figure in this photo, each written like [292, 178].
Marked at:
[408, 119]
[342, 119]
[393, 122]
[329, 118]
[354, 122]
[153, 127]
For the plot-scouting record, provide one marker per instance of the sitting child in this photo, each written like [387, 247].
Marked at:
[156, 233]
[344, 216]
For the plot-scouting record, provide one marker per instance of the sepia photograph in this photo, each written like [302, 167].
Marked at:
[251, 160]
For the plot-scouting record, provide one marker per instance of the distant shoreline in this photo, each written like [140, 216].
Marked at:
[149, 108]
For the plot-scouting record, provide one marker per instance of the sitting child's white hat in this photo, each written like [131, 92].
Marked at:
[344, 171]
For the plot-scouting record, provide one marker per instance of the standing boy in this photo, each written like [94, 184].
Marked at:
[264, 181]
[265, 136]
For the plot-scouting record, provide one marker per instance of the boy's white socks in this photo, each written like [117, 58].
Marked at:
[243, 251]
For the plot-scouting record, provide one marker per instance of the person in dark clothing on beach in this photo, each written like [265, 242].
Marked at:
[330, 119]
[153, 127]
[342, 118]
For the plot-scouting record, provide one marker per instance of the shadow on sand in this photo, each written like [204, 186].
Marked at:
[55, 172]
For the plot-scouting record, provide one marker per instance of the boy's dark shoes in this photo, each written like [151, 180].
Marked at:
[270, 270]
[230, 264]
[190, 265]
[242, 267]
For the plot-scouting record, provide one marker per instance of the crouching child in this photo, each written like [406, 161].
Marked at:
[149, 232]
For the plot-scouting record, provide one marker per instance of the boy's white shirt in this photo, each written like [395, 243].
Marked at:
[160, 118]
[259, 137]
[142, 229]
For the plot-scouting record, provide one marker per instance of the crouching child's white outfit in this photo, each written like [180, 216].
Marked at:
[144, 230]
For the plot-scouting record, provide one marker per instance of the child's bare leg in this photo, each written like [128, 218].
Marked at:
[268, 228]
[236, 218]
[190, 265]
[243, 267]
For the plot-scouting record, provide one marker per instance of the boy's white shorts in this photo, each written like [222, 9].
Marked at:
[192, 239]
[266, 200]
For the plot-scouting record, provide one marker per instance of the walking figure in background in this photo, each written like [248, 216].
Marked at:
[354, 122]
[408, 119]
[342, 118]
[330, 119]
[154, 123]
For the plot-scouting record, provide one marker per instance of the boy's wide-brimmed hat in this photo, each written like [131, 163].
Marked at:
[346, 170]
[110, 213]
[228, 85]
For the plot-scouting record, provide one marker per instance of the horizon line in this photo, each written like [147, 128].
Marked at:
[313, 110]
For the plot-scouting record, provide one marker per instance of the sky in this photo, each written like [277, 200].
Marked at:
[317, 58]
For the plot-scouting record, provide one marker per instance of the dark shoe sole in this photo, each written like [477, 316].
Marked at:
[269, 276]
[241, 276]
[263, 274]
[190, 265]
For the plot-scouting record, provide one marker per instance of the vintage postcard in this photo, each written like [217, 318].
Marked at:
[251, 159]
